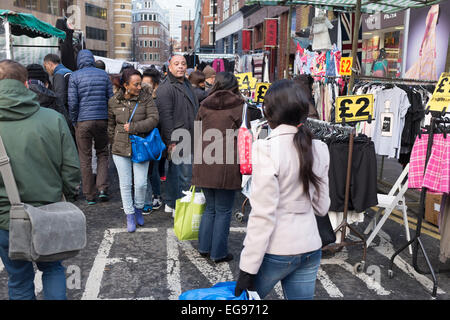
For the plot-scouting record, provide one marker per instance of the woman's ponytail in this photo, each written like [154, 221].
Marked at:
[303, 144]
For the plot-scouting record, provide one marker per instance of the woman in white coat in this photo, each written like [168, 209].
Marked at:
[289, 186]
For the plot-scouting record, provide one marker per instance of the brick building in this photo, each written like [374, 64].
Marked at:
[187, 35]
[151, 40]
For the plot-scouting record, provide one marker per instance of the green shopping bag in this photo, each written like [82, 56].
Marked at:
[187, 218]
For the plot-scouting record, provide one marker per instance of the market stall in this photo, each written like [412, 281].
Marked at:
[25, 38]
[348, 107]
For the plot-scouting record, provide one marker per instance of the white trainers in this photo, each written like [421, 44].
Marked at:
[168, 209]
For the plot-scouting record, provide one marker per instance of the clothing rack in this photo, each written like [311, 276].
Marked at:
[437, 118]
[394, 80]
[360, 266]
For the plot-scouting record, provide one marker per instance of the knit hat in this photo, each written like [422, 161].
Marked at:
[209, 72]
[37, 72]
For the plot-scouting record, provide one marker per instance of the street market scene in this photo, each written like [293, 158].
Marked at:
[224, 150]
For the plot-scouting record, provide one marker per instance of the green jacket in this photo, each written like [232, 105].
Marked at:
[41, 149]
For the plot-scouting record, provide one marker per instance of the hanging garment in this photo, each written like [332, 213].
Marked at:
[258, 61]
[425, 67]
[266, 69]
[218, 65]
[363, 184]
[321, 36]
[336, 218]
[417, 162]
[391, 106]
[437, 173]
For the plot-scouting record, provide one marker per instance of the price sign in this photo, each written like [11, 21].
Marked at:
[260, 91]
[441, 95]
[345, 68]
[246, 81]
[354, 108]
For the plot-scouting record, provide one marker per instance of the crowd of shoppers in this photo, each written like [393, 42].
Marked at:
[282, 241]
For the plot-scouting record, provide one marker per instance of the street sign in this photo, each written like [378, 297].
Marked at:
[345, 68]
[246, 81]
[354, 108]
[260, 91]
[441, 95]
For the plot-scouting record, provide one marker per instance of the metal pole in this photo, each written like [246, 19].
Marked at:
[288, 44]
[214, 26]
[355, 39]
[189, 31]
[8, 47]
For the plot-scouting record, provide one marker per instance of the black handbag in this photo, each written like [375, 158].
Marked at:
[325, 230]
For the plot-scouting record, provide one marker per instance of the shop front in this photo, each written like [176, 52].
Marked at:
[383, 31]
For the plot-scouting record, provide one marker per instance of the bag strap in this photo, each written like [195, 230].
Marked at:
[134, 110]
[8, 176]
[244, 116]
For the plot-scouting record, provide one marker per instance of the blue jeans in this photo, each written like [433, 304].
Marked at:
[179, 178]
[21, 275]
[127, 170]
[215, 223]
[155, 183]
[297, 274]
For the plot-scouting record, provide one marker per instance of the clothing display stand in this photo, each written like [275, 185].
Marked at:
[360, 266]
[437, 118]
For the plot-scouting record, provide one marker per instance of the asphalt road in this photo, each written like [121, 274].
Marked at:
[151, 264]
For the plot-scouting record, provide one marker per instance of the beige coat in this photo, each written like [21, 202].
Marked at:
[282, 219]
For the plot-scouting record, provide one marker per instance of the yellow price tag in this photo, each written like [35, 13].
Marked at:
[246, 81]
[345, 68]
[260, 91]
[354, 108]
[441, 95]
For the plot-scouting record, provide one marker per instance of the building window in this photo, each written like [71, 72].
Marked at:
[122, 6]
[96, 34]
[150, 56]
[145, 43]
[123, 44]
[100, 53]
[54, 7]
[95, 11]
[235, 6]
[144, 30]
[156, 30]
[212, 7]
[145, 57]
[140, 43]
[150, 44]
[211, 36]
[226, 9]
[122, 25]
[225, 45]
[150, 30]
[235, 43]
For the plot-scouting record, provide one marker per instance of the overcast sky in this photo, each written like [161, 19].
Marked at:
[177, 14]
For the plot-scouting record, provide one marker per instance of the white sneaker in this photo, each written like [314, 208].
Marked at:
[168, 209]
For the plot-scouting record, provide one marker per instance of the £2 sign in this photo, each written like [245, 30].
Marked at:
[346, 66]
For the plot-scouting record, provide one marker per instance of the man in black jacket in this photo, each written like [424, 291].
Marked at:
[178, 106]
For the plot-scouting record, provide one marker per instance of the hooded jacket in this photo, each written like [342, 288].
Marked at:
[89, 90]
[42, 153]
[61, 76]
[222, 111]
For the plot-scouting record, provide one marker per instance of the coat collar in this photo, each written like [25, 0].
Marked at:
[282, 129]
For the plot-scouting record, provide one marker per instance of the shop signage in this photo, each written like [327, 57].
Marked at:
[271, 32]
[354, 108]
[260, 91]
[380, 20]
[441, 95]
[246, 40]
[345, 67]
[246, 81]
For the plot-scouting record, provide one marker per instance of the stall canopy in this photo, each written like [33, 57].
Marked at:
[28, 25]
[367, 6]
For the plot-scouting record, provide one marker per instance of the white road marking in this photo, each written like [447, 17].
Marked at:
[173, 266]
[386, 249]
[94, 280]
[1, 266]
[328, 285]
[279, 290]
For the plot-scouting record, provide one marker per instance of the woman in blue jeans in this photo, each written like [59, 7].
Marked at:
[131, 111]
[289, 185]
[220, 114]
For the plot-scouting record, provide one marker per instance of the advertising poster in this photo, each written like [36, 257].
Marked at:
[428, 42]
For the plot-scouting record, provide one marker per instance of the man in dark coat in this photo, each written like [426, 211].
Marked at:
[61, 76]
[177, 105]
[89, 91]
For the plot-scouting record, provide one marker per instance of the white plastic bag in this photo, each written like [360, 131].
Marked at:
[199, 197]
